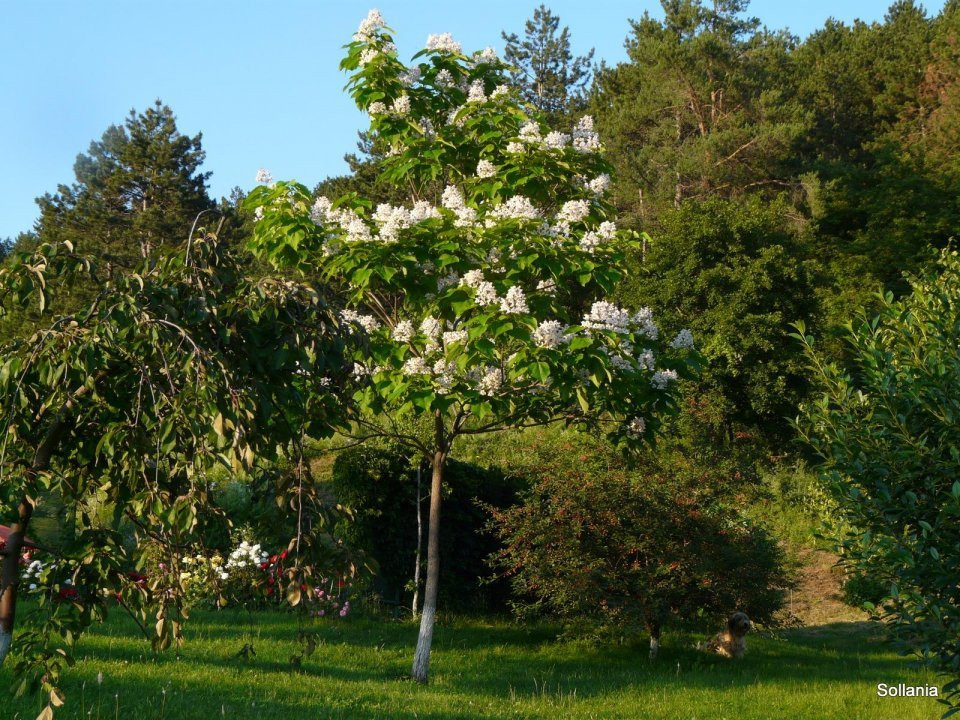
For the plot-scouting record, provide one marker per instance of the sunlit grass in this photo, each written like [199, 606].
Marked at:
[487, 669]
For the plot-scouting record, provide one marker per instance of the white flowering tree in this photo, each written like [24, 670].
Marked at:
[476, 308]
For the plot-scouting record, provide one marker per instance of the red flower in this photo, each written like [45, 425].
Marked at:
[283, 555]
[67, 593]
[264, 565]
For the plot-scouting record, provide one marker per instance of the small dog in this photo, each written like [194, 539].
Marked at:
[732, 642]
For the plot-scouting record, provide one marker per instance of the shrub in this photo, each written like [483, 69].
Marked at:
[631, 548]
[888, 436]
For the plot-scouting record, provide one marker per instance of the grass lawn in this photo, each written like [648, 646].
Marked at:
[480, 669]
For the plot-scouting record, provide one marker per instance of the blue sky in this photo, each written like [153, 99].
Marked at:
[259, 79]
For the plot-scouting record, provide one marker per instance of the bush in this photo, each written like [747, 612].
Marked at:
[888, 435]
[636, 548]
[380, 484]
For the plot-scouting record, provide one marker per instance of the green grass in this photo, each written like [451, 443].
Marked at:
[480, 669]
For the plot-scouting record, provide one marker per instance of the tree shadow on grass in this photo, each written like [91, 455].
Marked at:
[494, 664]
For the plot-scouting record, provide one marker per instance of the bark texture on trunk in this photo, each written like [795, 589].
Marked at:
[10, 577]
[421, 659]
[415, 606]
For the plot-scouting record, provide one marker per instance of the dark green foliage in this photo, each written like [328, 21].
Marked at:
[736, 274]
[887, 434]
[545, 71]
[661, 543]
[380, 484]
[699, 110]
[136, 189]
[139, 186]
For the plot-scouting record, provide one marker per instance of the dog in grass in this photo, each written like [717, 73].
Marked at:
[732, 641]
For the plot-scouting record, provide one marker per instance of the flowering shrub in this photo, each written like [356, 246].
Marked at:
[475, 304]
[251, 577]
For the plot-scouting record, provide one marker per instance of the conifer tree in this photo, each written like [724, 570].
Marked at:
[137, 187]
[546, 72]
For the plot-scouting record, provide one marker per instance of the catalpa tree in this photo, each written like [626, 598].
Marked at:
[475, 304]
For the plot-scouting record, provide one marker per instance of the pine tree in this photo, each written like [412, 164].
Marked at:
[546, 72]
[137, 187]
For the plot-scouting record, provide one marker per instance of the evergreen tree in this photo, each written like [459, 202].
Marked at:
[137, 187]
[702, 109]
[546, 72]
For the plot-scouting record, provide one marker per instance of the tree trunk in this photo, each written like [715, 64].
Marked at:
[654, 628]
[10, 577]
[421, 659]
[415, 606]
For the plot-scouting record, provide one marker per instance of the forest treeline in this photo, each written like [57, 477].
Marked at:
[779, 180]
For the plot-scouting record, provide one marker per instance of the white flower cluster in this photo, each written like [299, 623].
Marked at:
[451, 337]
[443, 375]
[518, 207]
[549, 287]
[662, 378]
[443, 79]
[476, 93]
[556, 140]
[599, 185]
[593, 239]
[367, 322]
[486, 169]
[683, 340]
[486, 293]
[487, 56]
[403, 331]
[245, 555]
[530, 133]
[607, 316]
[390, 220]
[443, 43]
[636, 427]
[585, 139]
[643, 319]
[264, 177]
[401, 106]
[369, 26]
[574, 211]
[515, 302]
[33, 572]
[489, 380]
[550, 334]
[411, 76]
[372, 53]
[416, 366]
[377, 108]
[351, 223]
[449, 280]
[452, 199]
